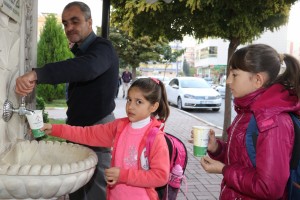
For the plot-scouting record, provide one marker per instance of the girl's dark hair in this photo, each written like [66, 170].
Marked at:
[83, 7]
[257, 58]
[154, 91]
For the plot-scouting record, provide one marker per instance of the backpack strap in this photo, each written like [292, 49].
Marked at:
[251, 139]
[296, 149]
[149, 141]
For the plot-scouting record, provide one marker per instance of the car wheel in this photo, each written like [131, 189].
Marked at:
[179, 103]
[216, 109]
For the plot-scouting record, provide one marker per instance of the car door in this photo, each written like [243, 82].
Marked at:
[172, 91]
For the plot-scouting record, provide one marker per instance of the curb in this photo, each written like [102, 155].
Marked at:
[191, 115]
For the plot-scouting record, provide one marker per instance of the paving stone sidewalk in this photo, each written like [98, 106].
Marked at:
[199, 184]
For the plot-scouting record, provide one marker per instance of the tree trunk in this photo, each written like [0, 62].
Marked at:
[234, 43]
[133, 73]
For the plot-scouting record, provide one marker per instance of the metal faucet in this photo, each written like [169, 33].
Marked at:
[22, 110]
[8, 109]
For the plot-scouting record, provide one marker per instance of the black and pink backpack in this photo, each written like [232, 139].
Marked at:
[178, 161]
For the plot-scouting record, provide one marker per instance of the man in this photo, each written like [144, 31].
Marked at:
[126, 78]
[92, 76]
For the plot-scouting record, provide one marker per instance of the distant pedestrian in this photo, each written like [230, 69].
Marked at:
[260, 90]
[132, 175]
[126, 78]
[221, 79]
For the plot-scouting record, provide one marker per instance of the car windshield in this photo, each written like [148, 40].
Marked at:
[194, 83]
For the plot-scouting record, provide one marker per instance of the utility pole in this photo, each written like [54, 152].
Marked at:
[105, 18]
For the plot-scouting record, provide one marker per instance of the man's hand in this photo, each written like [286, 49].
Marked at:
[211, 166]
[26, 83]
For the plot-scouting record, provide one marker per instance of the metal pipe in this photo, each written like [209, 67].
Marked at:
[105, 18]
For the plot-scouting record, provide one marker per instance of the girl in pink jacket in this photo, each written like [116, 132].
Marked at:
[266, 85]
[132, 175]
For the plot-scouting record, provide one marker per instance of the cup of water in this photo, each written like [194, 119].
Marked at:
[36, 122]
[201, 136]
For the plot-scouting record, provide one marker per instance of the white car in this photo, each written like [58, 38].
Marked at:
[221, 89]
[209, 80]
[193, 93]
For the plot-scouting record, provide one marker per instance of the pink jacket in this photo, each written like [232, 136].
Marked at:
[274, 146]
[107, 135]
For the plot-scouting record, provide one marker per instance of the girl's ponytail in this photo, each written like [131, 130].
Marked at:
[163, 110]
[290, 78]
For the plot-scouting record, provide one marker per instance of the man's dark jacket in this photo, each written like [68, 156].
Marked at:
[92, 76]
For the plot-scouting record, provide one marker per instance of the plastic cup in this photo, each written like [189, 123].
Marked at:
[36, 123]
[201, 136]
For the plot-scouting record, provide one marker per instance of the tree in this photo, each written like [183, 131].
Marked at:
[167, 55]
[53, 46]
[238, 22]
[133, 51]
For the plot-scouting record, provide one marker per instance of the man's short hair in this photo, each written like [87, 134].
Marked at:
[83, 7]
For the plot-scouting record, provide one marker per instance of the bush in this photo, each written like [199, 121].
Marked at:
[40, 105]
[51, 92]
[53, 46]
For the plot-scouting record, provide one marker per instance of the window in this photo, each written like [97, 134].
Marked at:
[174, 82]
[213, 51]
[209, 52]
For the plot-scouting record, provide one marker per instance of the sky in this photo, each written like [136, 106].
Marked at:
[56, 6]
[294, 28]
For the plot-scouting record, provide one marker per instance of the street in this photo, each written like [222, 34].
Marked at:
[216, 118]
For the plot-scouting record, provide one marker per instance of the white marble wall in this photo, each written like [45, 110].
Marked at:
[17, 55]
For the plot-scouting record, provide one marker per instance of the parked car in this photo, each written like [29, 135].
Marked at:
[193, 93]
[209, 80]
[221, 89]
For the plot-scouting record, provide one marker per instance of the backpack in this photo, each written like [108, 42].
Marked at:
[178, 161]
[293, 184]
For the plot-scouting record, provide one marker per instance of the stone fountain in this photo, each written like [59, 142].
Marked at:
[30, 169]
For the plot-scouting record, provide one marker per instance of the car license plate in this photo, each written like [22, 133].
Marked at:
[205, 102]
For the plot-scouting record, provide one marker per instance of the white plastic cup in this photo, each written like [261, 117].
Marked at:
[36, 123]
[201, 137]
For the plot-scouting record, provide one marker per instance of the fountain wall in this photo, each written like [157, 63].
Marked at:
[17, 55]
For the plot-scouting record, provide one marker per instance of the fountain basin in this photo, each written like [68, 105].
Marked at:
[44, 170]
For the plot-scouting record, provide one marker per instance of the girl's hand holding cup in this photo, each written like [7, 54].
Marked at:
[47, 128]
[212, 144]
